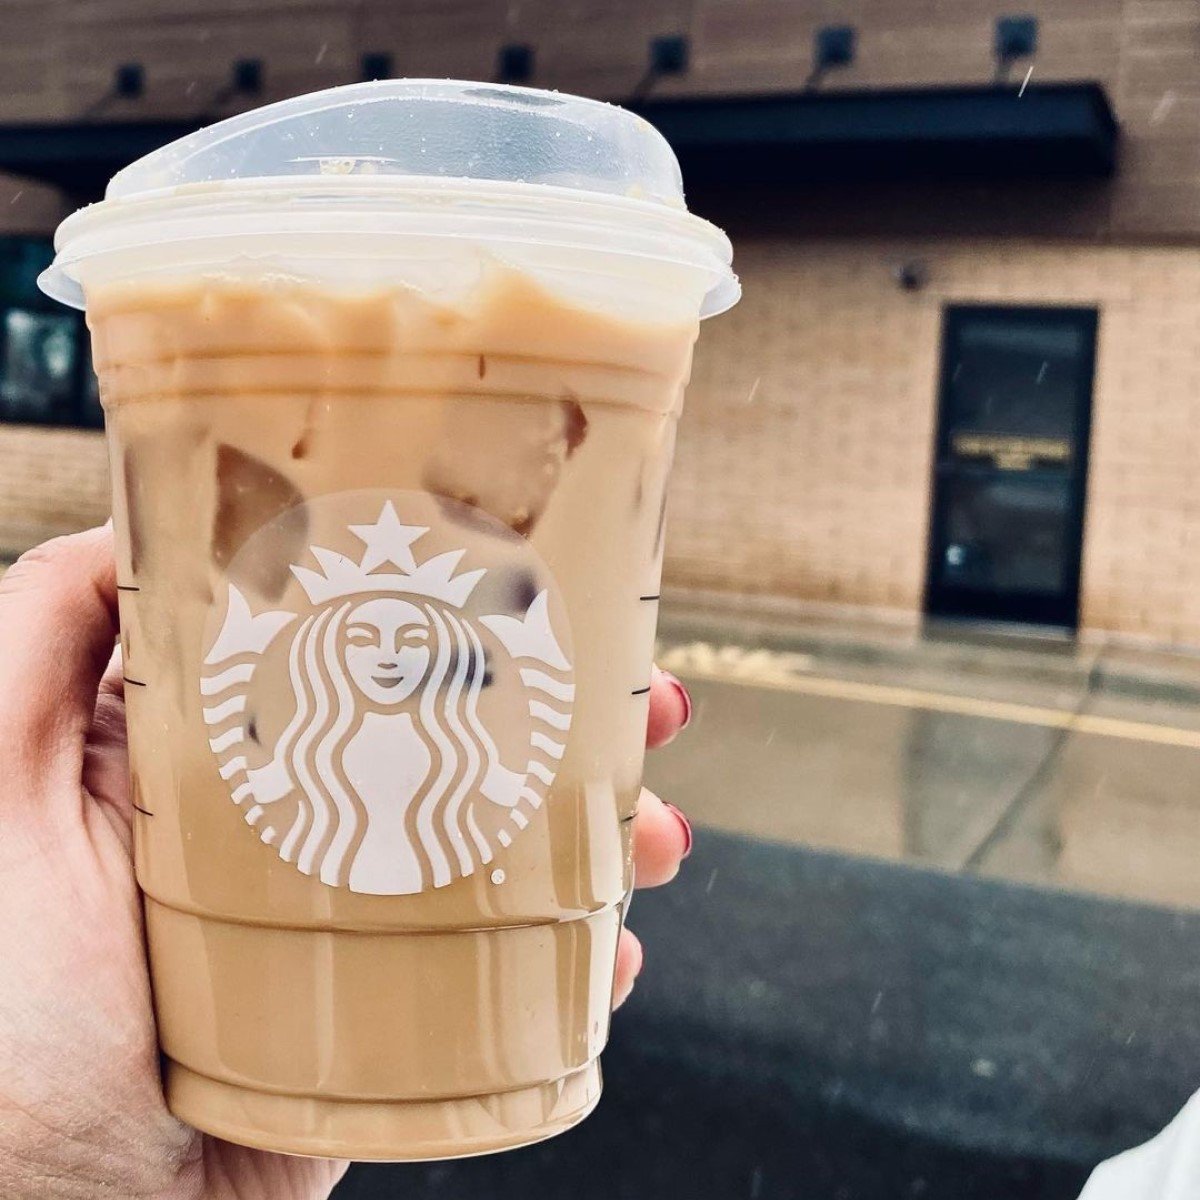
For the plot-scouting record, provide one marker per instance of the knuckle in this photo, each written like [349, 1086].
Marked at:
[35, 560]
[63, 564]
[44, 559]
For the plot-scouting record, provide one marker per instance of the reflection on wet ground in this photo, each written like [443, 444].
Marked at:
[827, 1026]
[1041, 763]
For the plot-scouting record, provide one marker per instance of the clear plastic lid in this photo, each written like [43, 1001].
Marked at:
[424, 127]
[520, 163]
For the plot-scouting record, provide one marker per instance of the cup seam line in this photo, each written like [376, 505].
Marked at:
[591, 1064]
[381, 931]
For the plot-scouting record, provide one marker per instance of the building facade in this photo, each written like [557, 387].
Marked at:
[949, 393]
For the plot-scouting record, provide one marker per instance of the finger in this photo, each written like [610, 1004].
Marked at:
[112, 682]
[670, 708]
[105, 769]
[629, 967]
[58, 623]
[662, 839]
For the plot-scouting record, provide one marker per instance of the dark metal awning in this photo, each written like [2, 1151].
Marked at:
[81, 157]
[1046, 130]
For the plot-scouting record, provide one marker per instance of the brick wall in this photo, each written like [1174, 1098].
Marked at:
[52, 481]
[803, 457]
[803, 468]
[59, 56]
[1142, 547]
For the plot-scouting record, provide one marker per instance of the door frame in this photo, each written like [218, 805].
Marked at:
[941, 602]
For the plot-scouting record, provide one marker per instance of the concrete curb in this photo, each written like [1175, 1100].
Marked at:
[1149, 676]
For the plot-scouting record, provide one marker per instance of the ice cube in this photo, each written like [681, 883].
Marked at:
[507, 459]
[250, 494]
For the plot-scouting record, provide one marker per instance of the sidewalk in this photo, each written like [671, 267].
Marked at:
[1041, 761]
[962, 652]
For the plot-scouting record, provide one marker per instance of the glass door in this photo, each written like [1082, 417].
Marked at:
[1011, 464]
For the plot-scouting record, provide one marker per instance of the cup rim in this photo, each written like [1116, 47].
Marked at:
[320, 201]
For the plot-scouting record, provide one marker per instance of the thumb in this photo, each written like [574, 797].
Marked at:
[58, 623]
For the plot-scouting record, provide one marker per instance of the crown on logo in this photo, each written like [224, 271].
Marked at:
[387, 541]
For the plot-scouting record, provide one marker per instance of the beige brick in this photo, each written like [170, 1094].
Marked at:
[54, 481]
[57, 59]
[805, 449]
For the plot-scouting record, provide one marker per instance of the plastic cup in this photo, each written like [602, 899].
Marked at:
[391, 376]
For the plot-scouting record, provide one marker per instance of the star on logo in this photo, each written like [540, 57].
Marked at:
[388, 541]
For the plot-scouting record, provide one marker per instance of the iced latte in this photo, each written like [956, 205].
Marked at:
[389, 545]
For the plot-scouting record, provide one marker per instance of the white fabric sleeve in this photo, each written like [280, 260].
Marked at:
[1166, 1168]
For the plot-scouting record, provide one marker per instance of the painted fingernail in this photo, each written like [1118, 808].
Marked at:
[686, 826]
[685, 698]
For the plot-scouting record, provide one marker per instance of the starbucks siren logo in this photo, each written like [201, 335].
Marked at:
[385, 733]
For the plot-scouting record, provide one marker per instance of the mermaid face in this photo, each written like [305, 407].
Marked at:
[387, 649]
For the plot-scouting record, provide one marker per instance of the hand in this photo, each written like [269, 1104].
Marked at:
[81, 1105]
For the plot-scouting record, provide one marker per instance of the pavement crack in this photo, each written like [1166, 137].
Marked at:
[1028, 791]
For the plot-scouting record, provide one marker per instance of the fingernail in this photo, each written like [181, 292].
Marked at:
[686, 826]
[685, 697]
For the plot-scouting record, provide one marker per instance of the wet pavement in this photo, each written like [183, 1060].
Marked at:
[937, 939]
[815, 1026]
[1042, 763]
